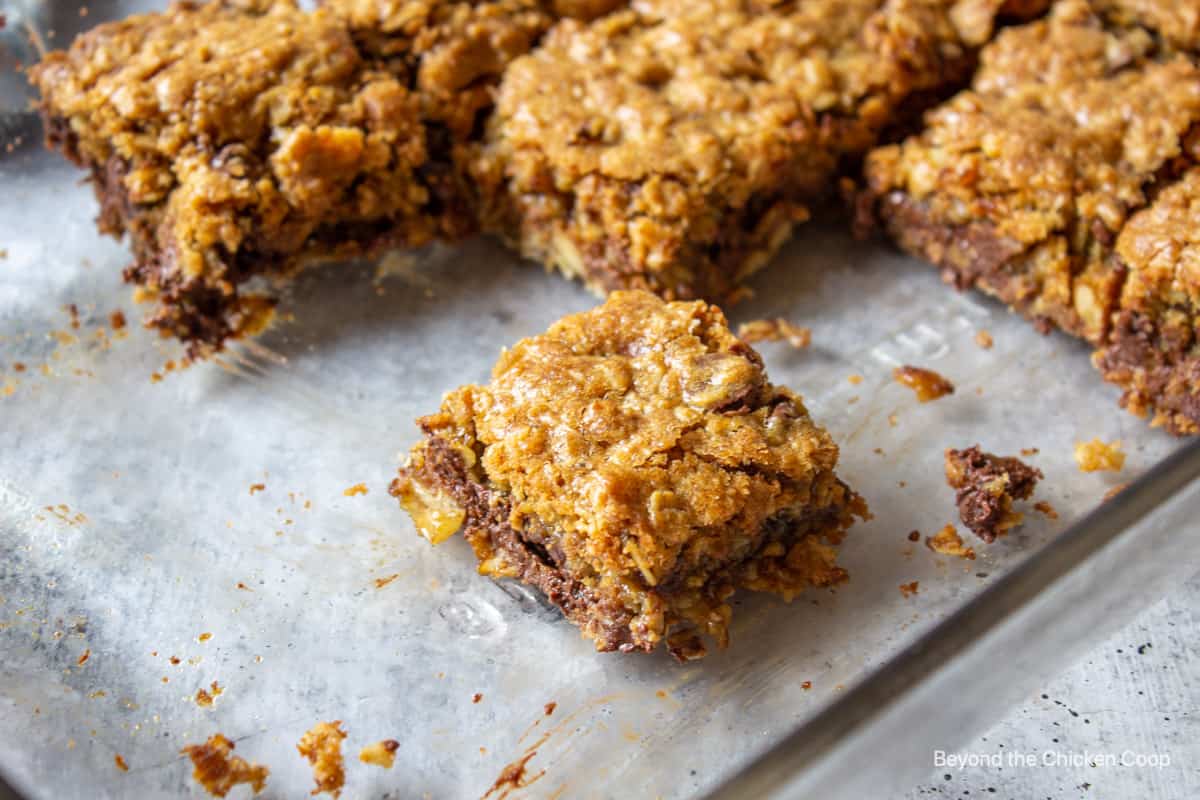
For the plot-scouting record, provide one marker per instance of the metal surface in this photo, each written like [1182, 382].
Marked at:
[128, 524]
[963, 674]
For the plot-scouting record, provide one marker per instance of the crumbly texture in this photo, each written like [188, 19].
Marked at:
[775, 330]
[322, 746]
[1153, 346]
[218, 770]
[1075, 131]
[947, 542]
[985, 487]
[241, 139]
[925, 383]
[1099, 456]
[672, 146]
[635, 464]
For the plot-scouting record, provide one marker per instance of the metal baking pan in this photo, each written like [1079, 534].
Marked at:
[128, 529]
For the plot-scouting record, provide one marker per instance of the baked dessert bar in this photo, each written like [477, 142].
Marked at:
[672, 146]
[237, 139]
[635, 465]
[985, 487]
[1025, 185]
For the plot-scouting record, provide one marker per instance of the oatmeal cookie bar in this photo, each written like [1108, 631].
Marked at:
[635, 465]
[241, 138]
[1023, 186]
[672, 146]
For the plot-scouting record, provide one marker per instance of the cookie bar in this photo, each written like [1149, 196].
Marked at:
[1023, 186]
[673, 146]
[635, 465]
[240, 139]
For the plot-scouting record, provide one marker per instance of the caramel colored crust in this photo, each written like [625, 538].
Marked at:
[673, 146]
[635, 465]
[1076, 131]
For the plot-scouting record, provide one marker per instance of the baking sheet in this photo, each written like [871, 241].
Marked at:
[128, 528]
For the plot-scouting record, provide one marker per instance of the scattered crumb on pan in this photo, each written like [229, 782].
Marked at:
[909, 589]
[255, 488]
[1097, 456]
[382, 582]
[1045, 508]
[356, 489]
[206, 697]
[119, 760]
[985, 487]
[927, 384]
[984, 339]
[380, 754]
[949, 543]
[775, 330]
[218, 771]
[322, 746]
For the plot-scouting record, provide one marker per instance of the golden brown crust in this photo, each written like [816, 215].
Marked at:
[640, 447]
[672, 146]
[231, 139]
[1025, 185]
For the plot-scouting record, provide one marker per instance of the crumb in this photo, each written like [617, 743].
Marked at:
[218, 772]
[73, 311]
[1029, 451]
[1047, 509]
[155, 377]
[84, 657]
[1096, 456]
[949, 543]
[255, 488]
[204, 637]
[381, 754]
[244, 587]
[356, 489]
[914, 536]
[806, 685]
[476, 697]
[984, 340]
[855, 380]
[322, 746]
[549, 708]
[18, 366]
[925, 382]
[909, 589]
[893, 420]
[1114, 491]
[3, 251]
[382, 582]
[774, 330]
[985, 487]
[174, 660]
[119, 760]
[205, 698]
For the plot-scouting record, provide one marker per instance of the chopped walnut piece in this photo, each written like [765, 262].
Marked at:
[322, 746]
[1096, 456]
[985, 487]
[775, 330]
[380, 754]
[218, 772]
[949, 543]
[928, 384]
